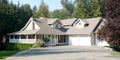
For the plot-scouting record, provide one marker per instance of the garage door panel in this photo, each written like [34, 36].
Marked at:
[74, 40]
[79, 40]
[85, 41]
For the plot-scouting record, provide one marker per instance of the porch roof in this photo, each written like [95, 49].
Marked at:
[26, 32]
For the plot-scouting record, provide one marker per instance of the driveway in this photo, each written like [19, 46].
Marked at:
[65, 53]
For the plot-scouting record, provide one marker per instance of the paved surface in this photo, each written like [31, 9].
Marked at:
[65, 53]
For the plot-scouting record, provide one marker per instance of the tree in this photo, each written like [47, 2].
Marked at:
[13, 18]
[4, 1]
[95, 8]
[43, 10]
[34, 11]
[61, 14]
[69, 6]
[88, 9]
[110, 31]
[80, 9]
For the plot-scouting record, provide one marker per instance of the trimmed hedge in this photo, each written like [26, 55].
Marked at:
[17, 46]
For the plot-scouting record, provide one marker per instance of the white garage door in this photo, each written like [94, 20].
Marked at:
[77, 40]
[85, 41]
[74, 40]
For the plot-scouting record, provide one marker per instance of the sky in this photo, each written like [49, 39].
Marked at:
[53, 4]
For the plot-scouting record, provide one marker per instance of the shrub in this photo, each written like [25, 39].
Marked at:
[17, 46]
[46, 40]
[37, 44]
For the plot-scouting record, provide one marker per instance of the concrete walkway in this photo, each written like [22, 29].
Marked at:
[65, 53]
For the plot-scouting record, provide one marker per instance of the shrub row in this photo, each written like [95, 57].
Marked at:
[17, 46]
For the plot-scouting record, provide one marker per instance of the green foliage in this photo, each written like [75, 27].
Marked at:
[13, 18]
[88, 8]
[34, 11]
[43, 11]
[37, 44]
[46, 40]
[61, 14]
[115, 53]
[80, 9]
[4, 54]
[69, 6]
[17, 46]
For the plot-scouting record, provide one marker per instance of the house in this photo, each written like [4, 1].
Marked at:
[76, 32]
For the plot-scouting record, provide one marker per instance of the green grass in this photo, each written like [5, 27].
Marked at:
[115, 53]
[4, 54]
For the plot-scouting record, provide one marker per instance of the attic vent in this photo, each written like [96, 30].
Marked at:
[87, 24]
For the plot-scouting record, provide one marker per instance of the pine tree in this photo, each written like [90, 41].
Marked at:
[88, 9]
[43, 10]
[68, 6]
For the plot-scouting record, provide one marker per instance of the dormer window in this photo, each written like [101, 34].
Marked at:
[57, 26]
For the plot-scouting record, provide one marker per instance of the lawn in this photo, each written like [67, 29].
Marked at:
[4, 54]
[116, 53]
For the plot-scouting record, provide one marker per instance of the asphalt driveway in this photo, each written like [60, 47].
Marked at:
[65, 53]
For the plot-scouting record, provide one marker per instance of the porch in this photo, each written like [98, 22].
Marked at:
[32, 38]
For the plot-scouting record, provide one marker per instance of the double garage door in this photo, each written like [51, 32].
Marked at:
[78, 40]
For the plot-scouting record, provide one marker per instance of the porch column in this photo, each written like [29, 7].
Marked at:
[26, 38]
[35, 37]
[66, 38]
[57, 39]
[19, 36]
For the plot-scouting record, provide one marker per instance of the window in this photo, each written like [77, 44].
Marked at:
[31, 36]
[56, 26]
[23, 36]
[16, 36]
[39, 36]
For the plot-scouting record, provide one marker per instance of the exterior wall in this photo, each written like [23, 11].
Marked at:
[27, 41]
[93, 39]
[30, 26]
[36, 26]
[80, 40]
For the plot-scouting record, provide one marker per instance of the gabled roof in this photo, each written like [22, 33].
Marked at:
[88, 29]
[68, 21]
[46, 29]
[27, 23]
[51, 21]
